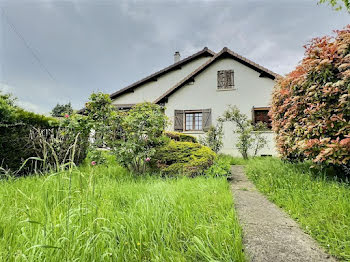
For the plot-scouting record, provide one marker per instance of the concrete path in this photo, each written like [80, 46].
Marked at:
[268, 233]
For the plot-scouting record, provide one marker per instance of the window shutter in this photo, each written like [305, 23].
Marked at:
[206, 119]
[225, 79]
[179, 120]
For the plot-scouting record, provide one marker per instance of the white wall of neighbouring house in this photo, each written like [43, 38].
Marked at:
[150, 91]
[250, 91]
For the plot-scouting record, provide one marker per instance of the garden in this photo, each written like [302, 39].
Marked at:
[113, 185]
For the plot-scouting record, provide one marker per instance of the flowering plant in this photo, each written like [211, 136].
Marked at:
[310, 107]
[142, 131]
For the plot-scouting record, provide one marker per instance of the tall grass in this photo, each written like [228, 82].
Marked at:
[103, 213]
[319, 202]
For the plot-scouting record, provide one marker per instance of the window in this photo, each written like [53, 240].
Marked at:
[225, 80]
[260, 114]
[193, 121]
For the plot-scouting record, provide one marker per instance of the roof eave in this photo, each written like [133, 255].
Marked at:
[204, 52]
[264, 72]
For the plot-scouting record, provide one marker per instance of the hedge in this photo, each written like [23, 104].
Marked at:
[177, 136]
[311, 105]
[20, 140]
[183, 158]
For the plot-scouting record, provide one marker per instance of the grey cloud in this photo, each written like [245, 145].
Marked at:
[105, 45]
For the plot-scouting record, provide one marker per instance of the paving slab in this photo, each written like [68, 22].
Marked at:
[269, 234]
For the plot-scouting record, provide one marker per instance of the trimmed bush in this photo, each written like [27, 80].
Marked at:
[310, 107]
[183, 158]
[177, 136]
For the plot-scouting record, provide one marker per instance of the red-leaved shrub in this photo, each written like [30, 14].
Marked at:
[311, 105]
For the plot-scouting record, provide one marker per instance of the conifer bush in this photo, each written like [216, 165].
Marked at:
[310, 107]
[183, 158]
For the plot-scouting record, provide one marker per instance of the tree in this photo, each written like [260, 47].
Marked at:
[213, 137]
[142, 132]
[7, 108]
[247, 138]
[103, 119]
[336, 4]
[104, 122]
[310, 108]
[61, 110]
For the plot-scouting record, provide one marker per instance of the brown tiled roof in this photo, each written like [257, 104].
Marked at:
[124, 106]
[264, 72]
[204, 52]
[118, 106]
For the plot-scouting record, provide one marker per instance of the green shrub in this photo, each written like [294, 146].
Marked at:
[7, 108]
[15, 143]
[25, 135]
[61, 110]
[247, 140]
[141, 133]
[221, 167]
[177, 136]
[103, 118]
[96, 157]
[310, 106]
[213, 137]
[183, 157]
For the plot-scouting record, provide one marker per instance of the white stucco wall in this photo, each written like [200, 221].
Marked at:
[250, 90]
[150, 91]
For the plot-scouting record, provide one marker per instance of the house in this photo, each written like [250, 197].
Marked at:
[196, 90]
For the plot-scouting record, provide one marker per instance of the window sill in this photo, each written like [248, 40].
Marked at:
[194, 132]
[226, 89]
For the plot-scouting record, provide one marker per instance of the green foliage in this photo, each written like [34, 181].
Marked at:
[310, 107]
[104, 120]
[247, 139]
[220, 168]
[141, 132]
[103, 213]
[10, 114]
[183, 158]
[15, 126]
[213, 137]
[7, 108]
[97, 157]
[177, 136]
[337, 4]
[62, 110]
[315, 198]
[31, 142]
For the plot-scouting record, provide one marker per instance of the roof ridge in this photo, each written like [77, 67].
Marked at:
[162, 71]
[203, 66]
[251, 62]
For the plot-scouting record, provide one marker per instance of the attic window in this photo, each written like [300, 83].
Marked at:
[225, 80]
[260, 114]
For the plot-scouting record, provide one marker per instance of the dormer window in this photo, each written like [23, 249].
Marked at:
[225, 80]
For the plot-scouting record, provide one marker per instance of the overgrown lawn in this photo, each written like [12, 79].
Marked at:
[319, 202]
[105, 214]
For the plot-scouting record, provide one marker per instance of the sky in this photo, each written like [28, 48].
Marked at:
[60, 51]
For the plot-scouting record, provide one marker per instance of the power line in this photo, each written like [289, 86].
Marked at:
[27, 45]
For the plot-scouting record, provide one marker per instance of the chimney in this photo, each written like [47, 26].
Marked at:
[177, 57]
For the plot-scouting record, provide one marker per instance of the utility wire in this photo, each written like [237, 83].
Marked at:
[12, 26]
